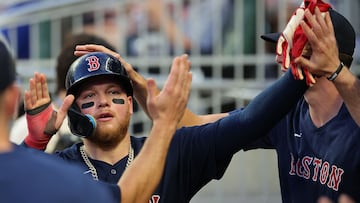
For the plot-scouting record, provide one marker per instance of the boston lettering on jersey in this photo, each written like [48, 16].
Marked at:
[318, 170]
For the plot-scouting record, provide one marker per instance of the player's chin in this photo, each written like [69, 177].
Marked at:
[103, 128]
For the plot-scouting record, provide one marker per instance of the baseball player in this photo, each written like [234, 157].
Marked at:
[27, 175]
[317, 142]
[196, 154]
[63, 138]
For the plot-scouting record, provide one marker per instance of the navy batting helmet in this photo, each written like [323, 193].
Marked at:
[93, 65]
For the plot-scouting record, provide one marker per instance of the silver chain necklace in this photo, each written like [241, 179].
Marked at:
[91, 167]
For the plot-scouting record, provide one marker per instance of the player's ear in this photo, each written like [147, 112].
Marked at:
[131, 105]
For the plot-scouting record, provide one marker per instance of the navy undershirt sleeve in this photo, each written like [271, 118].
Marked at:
[243, 127]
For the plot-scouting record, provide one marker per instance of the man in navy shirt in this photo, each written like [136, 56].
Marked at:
[27, 175]
[196, 154]
[317, 142]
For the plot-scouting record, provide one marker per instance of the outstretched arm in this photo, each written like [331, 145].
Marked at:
[140, 92]
[166, 109]
[243, 127]
[325, 60]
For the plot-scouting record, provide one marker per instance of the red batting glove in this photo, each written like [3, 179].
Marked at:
[293, 40]
[36, 122]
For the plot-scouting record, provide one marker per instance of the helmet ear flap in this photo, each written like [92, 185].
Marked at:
[82, 125]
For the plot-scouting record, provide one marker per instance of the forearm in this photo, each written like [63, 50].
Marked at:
[261, 114]
[191, 119]
[149, 164]
[140, 91]
[140, 94]
[348, 86]
[274, 102]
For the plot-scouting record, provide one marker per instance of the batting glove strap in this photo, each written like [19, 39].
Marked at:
[38, 109]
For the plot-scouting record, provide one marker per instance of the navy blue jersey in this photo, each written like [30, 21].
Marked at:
[189, 166]
[202, 153]
[30, 176]
[313, 161]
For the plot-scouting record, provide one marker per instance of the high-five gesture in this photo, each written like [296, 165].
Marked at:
[39, 111]
[166, 110]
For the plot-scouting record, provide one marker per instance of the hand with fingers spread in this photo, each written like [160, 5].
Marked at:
[176, 92]
[325, 54]
[38, 94]
[293, 43]
[166, 110]
[39, 110]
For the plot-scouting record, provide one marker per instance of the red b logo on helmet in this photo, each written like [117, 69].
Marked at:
[93, 62]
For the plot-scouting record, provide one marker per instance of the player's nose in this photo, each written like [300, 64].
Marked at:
[103, 100]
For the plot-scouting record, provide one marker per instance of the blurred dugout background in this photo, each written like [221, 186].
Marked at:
[231, 64]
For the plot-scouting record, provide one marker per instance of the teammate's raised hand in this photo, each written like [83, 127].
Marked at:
[325, 55]
[38, 93]
[170, 104]
[39, 111]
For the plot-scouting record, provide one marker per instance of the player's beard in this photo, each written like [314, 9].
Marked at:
[109, 138]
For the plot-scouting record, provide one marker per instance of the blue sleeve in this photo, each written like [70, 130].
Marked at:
[269, 141]
[243, 127]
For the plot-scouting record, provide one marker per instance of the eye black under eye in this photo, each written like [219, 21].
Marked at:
[87, 105]
[118, 101]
